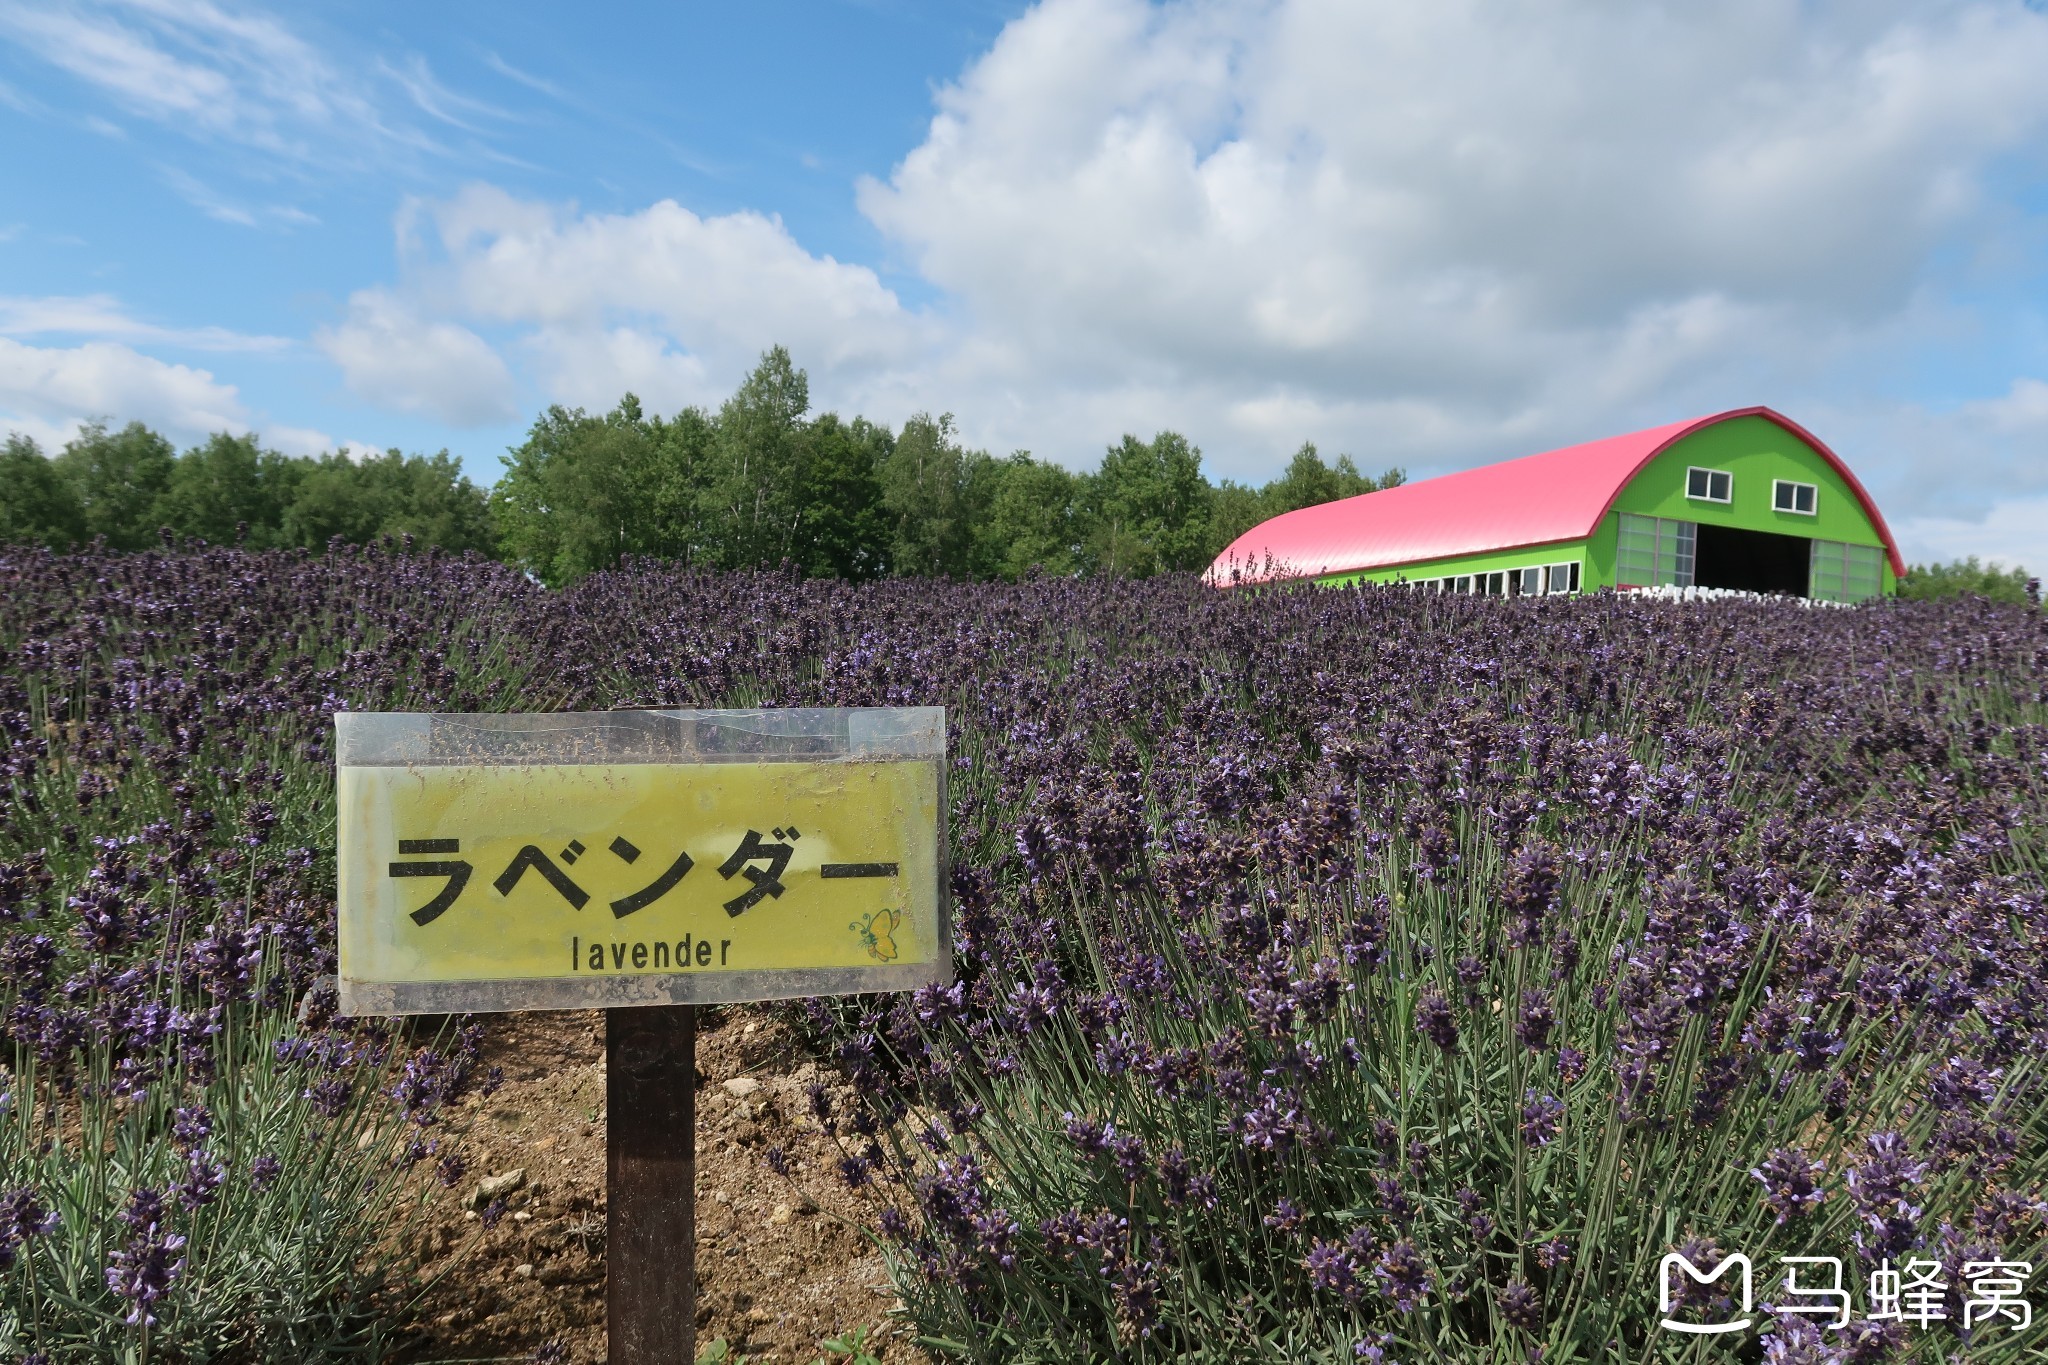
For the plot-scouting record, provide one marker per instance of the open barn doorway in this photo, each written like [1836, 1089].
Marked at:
[1751, 561]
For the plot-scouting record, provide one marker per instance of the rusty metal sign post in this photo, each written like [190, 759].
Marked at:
[643, 863]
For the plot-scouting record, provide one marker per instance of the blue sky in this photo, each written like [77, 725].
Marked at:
[1426, 234]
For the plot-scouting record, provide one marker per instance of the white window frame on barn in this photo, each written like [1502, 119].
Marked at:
[1786, 495]
[1842, 572]
[1702, 480]
[1653, 552]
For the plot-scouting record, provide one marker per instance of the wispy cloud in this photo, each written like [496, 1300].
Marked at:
[17, 101]
[529, 80]
[218, 74]
[203, 197]
[436, 100]
[100, 316]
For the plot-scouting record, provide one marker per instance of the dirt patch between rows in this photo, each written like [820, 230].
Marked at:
[780, 1268]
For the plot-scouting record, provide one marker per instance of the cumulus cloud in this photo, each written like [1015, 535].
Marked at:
[1425, 234]
[663, 302]
[722, 288]
[393, 357]
[2012, 533]
[48, 391]
[1506, 223]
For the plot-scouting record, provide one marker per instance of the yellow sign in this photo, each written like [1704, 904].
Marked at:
[632, 882]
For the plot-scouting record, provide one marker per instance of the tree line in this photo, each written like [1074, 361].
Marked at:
[759, 482]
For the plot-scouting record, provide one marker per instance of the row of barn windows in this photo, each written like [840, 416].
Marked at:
[1535, 581]
[1718, 485]
[1656, 551]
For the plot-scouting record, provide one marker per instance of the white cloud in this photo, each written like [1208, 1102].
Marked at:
[1425, 234]
[393, 357]
[297, 440]
[48, 391]
[670, 305]
[723, 288]
[223, 209]
[1532, 221]
[223, 73]
[101, 315]
[2012, 533]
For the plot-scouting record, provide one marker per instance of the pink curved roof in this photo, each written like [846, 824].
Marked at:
[1559, 495]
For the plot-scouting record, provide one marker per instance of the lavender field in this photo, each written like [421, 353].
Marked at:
[1342, 975]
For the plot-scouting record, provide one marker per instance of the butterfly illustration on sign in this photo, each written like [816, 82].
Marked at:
[877, 932]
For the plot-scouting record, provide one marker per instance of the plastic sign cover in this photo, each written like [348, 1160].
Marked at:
[589, 860]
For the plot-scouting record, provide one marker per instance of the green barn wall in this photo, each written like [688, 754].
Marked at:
[1754, 450]
[1522, 558]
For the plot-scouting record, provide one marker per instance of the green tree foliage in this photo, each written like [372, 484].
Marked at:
[844, 529]
[926, 493]
[581, 491]
[1967, 576]
[128, 485]
[119, 478]
[229, 490]
[1028, 518]
[1148, 508]
[37, 504]
[760, 477]
[426, 497]
[759, 482]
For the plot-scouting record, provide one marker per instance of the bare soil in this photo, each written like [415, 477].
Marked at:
[780, 1266]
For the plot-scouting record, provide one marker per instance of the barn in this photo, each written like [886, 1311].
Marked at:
[1746, 500]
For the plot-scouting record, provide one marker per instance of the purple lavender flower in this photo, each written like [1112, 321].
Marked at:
[1961, 1083]
[1530, 891]
[1332, 1270]
[1435, 1020]
[1520, 1306]
[1274, 1123]
[1881, 1187]
[1128, 1155]
[1181, 1185]
[144, 1270]
[1286, 1217]
[22, 1217]
[264, 1171]
[194, 1125]
[330, 1096]
[1542, 1115]
[1791, 1181]
[1534, 1022]
[203, 1177]
[1403, 1275]
[995, 1236]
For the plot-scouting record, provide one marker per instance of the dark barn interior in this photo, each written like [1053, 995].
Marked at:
[1751, 561]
